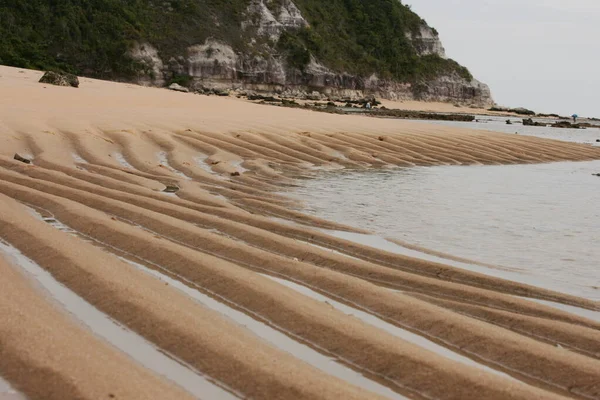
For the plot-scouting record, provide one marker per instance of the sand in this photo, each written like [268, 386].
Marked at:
[101, 157]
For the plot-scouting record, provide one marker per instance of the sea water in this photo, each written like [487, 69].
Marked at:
[540, 222]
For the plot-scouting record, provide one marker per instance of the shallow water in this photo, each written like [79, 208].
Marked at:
[120, 337]
[539, 223]
[8, 393]
[201, 162]
[77, 158]
[163, 159]
[122, 160]
[498, 124]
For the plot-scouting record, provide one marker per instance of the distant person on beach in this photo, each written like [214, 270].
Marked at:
[575, 117]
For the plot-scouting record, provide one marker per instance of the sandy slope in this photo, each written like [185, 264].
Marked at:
[102, 155]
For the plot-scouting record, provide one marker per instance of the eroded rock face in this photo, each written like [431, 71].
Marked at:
[270, 23]
[178, 88]
[147, 54]
[216, 65]
[60, 79]
[426, 41]
[455, 89]
[212, 60]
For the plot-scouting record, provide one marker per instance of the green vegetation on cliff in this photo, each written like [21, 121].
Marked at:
[363, 37]
[92, 37]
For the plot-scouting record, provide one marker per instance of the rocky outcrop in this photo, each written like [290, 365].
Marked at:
[60, 79]
[215, 65]
[455, 89]
[178, 88]
[153, 67]
[531, 122]
[427, 41]
[271, 22]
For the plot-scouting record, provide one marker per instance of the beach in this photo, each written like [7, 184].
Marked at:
[167, 214]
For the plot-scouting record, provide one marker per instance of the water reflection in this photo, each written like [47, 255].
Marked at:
[542, 220]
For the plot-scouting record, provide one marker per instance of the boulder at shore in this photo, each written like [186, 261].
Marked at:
[60, 79]
[178, 88]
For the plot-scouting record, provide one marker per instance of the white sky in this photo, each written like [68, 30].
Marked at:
[539, 54]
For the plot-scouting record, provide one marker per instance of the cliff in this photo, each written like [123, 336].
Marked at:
[346, 48]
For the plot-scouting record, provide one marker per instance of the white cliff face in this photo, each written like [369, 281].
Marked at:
[148, 56]
[454, 89]
[426, 41]
[212, 59]
[271, 24]
[216, 65]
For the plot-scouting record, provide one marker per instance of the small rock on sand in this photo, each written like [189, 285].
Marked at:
[59, 79]
[171, 189]
[22, 159]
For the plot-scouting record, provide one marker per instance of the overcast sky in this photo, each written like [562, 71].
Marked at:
[539, 54]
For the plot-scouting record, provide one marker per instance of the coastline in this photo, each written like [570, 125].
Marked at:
[102, 156]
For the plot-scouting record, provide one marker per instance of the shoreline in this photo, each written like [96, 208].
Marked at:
[104, 154]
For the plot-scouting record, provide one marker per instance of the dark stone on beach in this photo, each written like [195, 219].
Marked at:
[597, 140]
[235, 174]
[171, 189]
[255, 97]
[596, 174]
[59, 79]
[289, 103]
[530, 122]
[518, 110]
[566, 124]
[522, 111]
[508, 122]
[22, 159]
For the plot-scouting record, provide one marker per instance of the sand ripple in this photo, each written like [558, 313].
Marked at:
[102, 157]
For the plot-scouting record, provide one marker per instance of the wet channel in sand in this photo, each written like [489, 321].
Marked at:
[120, 337]
[276, 338]
[283, 341]
[394, 330]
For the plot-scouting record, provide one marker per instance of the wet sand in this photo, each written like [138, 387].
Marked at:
[104, 228]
